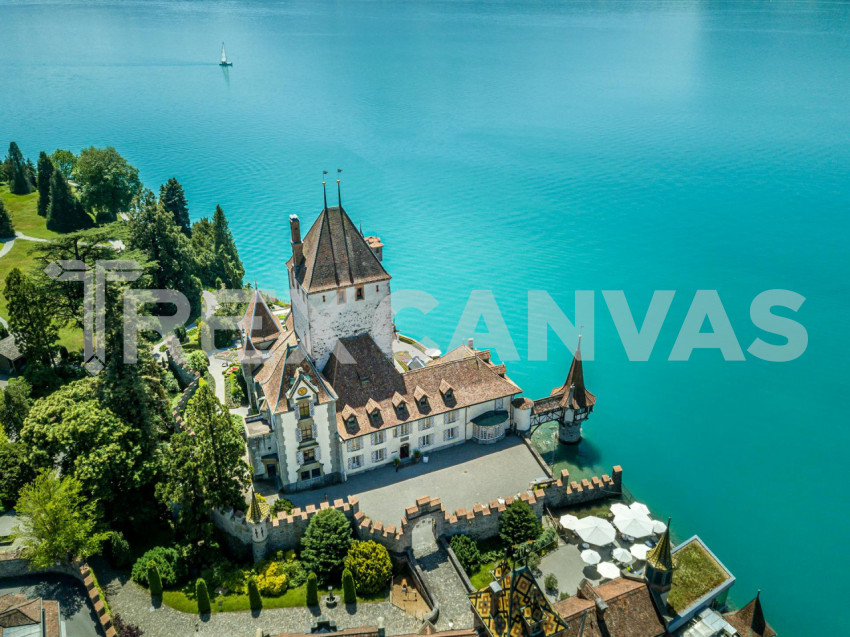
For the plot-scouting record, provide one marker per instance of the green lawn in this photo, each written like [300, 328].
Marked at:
[24, 212]
[695, 574]
[184, 599]
[19, 256]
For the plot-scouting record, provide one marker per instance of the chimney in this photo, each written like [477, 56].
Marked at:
[469, 343]
[297, 246]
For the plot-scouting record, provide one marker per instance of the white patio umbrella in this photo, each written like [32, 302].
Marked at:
[633, 523]
[590, 557]
[623, 556]
[596, 531]
[568, 522]
[608, 570]
[658, 526]
[639, 551]
[618, 507]
[639, 506]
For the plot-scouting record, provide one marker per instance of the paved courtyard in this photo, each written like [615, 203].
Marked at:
[460, 476]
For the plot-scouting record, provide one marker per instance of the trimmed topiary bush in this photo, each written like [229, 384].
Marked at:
[154, 580]
[349, 593]
[370, 564]
[203, 597]
[325, 544]
[466, 551]
[254, 594]
[312, 590]
[167, 563]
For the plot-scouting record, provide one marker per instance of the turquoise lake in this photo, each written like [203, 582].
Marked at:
[632, 146]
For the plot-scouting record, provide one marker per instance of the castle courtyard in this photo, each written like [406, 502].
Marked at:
[461, 476]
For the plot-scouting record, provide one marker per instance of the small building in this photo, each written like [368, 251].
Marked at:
[11, 359]
[22, 617]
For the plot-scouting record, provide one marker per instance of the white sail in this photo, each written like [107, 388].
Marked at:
[223, 54]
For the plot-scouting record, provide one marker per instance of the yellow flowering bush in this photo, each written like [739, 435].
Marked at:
[272, 581]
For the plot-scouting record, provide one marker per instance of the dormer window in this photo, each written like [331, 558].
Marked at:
[400, 405]
[374, 411]
[420, 397]
[447, 391]
[351, 422]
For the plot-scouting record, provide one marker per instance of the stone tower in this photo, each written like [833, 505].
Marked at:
[257, 518]
[337, 285]
[576, 401]
[659, 564]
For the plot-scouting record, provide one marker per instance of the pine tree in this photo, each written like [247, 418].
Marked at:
[45, 173]
[349, 594]
[202, 595]
[64, 212]
[154, 580]
[7, 229]
[230, 266]
[254, 594]
[17, 172]
[173, 199]
[312, 590]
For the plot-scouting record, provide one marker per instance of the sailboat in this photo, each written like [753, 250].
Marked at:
[224, 61]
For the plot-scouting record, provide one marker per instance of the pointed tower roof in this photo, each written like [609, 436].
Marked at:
[579, 397]
[750, 621]
[258, 510]
[259, 323]
[661, 555]
[336, 255]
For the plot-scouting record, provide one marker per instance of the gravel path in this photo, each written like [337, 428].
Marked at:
[133, 603]
[442, 579]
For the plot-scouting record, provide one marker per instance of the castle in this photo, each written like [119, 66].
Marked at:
[330, 400]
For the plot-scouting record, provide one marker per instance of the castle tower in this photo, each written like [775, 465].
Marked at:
[257, 517]
[659, 564]
[576, 401]
[337, 285]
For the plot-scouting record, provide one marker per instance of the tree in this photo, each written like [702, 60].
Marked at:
[154, 581]
[349, 592]
[30, 317]
[325, 543]
[15, 468]
[64, 212]
[254, 594]
[370, 564]
[203, 597]
[173, 199]
[56, 522]
[45, 173]
[198, 362]
[519, 523]
[312, 590]
[466, 551]
[205, 471]
[64, 161]
[14, 406]
[231, 270]
[172, 267]
[107, 182]
[17, 172]
[168, 566]
[7, 228]
[73, 430]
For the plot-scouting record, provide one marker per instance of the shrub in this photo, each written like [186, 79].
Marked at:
[551, 582]
[370, 564]
[282, 504]
[203, 597]
[519, 523]
[254, 594]
[198, 361]
[349, 593]
[119, 550]
[564, 595]
[272, 581]
[170, 383]
[123, 629]
[167, 563]
[154, 581]
[312, 590]
[224, 574]
[295, 573]
[325, 543]
[534, 560]
[547, 538]
[466, 551]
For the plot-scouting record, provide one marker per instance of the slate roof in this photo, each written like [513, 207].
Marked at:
[749, 617]
[628, 611]
[259, 323]
[359, 372]
[282, 369]
[336, 255]
[581, 398]
[9, 349]
[661, 555]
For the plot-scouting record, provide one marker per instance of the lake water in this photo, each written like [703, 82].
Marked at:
[632, 146]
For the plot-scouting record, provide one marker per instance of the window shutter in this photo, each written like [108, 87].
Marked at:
[318, 453]
[446, 418]
[298, 433]
[299, 457]
[315, 431]
[351, 463]
[311, 409]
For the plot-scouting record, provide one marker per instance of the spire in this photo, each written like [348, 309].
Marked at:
[338, 192]
[661, 556]
[254, 513]
[573, 389]
[325, 192]
[758, 622]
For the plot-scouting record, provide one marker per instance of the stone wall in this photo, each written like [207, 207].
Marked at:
[481, 521]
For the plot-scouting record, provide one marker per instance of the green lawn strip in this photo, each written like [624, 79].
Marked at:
[482, 577]
[184, 599]
[24, 212]
[100, 592]
[695, 574]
